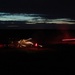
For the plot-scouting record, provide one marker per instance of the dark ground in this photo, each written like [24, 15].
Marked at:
[57, 59]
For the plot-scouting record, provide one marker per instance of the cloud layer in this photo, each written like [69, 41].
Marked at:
[34, 18]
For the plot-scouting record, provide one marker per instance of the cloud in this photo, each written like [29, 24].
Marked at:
[34, 18]
[61, 21]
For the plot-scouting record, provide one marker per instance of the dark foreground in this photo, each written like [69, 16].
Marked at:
[57, 60]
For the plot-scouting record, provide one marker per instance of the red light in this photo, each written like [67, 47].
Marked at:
[68, 39]
[36, 44]
[1, 45]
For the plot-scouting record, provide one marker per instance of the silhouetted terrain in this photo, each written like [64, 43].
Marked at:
[57, 58]
[21, 62]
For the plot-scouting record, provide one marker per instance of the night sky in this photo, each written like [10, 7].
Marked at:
[38, 6]
[54, 9]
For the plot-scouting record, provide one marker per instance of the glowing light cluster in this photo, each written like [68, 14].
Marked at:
[24, 42]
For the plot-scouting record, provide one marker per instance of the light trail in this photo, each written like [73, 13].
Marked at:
[68, 39]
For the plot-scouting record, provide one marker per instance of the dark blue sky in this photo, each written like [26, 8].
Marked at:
[35, 5]
[51, 7]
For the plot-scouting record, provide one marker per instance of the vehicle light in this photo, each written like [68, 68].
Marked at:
[40, 45]
[68, 39]
[36, 44]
